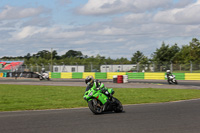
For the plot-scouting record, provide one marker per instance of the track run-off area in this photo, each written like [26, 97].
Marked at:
[170, 117]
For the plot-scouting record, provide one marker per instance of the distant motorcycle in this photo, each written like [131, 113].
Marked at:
[43, 76]
[172, 79]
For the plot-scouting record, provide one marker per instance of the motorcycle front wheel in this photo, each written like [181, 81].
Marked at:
[169, 81]
[40, 77]
[95, 106]
[118, 105]
[175, 82]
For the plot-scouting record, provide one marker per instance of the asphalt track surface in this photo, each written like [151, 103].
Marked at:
[172, 117]
[182, 84]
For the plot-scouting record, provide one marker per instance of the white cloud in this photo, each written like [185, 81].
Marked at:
[143, 25]
[28, 32]
[48, 33]
[10, 12]
[183, 3]
[81, 41]
[135, 18]
[110, 31]
[186, 15]
[98, 7]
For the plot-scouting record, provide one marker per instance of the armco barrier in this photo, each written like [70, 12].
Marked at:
[179, 76]
[99, 75]
[66, 75]
[160, 76]
[192, 76]
[1, 75]
[111, 74]
[4, 74]
[108, 75]
[135, 75]
[55, 75]
[77, 75]
[85, 74]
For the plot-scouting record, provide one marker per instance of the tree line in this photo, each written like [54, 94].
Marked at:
[165, 54]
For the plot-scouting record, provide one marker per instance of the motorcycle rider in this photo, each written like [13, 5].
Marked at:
[168, 73]
[43, 70]
[91, 82]
[44, 74]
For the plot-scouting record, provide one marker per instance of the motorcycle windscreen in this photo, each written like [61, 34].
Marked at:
[110, 90]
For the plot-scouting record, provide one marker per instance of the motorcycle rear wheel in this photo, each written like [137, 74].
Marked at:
[95, 106]
[169, 81]
[40, 77]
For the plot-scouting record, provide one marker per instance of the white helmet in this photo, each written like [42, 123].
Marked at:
[168, 71]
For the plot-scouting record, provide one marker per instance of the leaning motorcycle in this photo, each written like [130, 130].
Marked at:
[172, 79]
[99, 102]
[43, 76]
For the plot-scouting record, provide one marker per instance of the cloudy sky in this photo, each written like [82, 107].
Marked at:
[111, 28]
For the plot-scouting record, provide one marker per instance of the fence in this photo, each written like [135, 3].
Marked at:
[177, 68]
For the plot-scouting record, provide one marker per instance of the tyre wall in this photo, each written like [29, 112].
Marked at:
[111, 74]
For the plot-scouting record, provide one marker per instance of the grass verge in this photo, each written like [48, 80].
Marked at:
[29, 97]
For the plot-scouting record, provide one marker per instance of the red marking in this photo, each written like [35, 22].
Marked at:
[97, 97]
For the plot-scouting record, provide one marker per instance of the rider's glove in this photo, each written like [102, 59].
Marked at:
[106, 93]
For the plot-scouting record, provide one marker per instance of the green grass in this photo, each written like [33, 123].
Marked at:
[29, 97]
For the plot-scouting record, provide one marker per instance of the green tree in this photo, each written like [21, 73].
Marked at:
[122, 60]
[189, 52]
[144, 60]
[138, 57]
[183, 56]
[28, 56]
[72, 53]
[165, 54]
[43, 54]
[55, 54]
[195, 50]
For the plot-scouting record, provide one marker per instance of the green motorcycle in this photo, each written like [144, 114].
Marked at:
[99, 102]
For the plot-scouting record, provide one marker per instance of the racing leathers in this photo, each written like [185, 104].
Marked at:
[168, 74]
[99, 86]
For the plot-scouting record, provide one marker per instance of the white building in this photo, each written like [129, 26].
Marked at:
[68, 68]
[118, 68]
